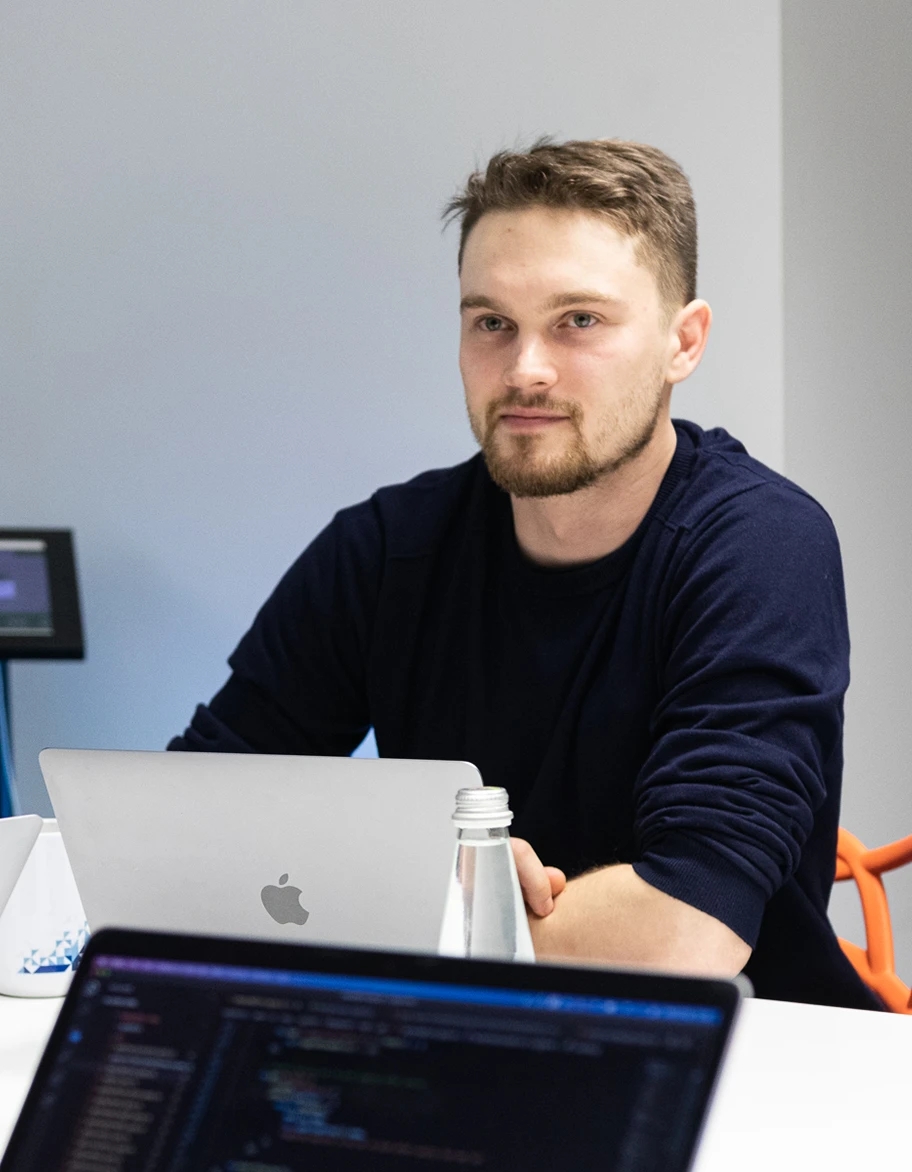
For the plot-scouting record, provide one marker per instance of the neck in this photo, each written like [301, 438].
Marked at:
[584, 526]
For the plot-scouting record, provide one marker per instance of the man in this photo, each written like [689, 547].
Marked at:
[628, 622]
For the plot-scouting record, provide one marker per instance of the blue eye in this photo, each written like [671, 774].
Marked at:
[582, 320]
[491, 325]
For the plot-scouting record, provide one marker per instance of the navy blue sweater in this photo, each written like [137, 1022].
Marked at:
[676, 705]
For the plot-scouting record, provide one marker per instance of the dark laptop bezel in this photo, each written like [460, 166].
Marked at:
[617, 984]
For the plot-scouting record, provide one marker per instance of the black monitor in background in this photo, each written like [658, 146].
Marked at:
[187, 1053]
[39, 597]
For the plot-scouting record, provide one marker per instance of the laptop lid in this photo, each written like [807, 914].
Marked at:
[336, 850]
[17, 837]
[189, 1053]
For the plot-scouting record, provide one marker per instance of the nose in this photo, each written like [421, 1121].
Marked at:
[529, 367]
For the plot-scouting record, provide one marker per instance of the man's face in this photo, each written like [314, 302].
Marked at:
[564, 348]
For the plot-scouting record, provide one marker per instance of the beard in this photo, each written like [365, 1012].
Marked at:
[518, 465]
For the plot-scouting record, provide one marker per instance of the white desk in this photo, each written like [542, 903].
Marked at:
[804, 1087]
[808, 1088]
[25, 1024]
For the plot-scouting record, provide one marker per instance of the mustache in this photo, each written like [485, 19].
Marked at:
[538, 401]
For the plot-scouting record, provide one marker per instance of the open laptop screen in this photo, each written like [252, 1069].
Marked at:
[176, 1062]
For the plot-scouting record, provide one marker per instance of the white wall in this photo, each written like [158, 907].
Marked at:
[227, 306]
[847, 102]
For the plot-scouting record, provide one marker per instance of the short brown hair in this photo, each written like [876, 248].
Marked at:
[640, 189]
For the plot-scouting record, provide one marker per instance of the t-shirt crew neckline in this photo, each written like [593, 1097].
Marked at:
[563, 581]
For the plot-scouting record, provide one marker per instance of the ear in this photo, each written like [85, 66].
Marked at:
[687, 335]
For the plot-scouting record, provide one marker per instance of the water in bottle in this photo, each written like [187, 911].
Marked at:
[485, 915]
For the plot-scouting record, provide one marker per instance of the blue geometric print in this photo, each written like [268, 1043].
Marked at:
[63, 957]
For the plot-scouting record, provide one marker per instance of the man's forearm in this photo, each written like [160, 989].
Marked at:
[614, 917]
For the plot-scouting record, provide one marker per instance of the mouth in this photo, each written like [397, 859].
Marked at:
[530, 421]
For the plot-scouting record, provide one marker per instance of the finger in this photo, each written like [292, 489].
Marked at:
[557, 879]
[533, 878]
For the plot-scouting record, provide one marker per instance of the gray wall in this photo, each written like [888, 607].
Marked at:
[847, 105]
[227, 306]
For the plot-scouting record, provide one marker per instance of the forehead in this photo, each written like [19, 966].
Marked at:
[544, 249]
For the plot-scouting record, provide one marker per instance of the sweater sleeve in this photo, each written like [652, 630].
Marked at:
[298, 675]
[748, 734]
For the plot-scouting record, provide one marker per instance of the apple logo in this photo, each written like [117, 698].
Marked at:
[283, 904]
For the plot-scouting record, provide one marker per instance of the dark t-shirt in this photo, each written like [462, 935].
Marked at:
[676, 705]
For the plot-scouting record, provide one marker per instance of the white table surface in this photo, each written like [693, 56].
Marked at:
[25, 1024]
[804, 1087]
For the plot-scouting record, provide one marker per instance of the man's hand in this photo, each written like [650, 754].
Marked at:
[540, 884]
[612, 916]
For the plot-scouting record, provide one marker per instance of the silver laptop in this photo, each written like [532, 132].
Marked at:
[329, 850]
[17, 836]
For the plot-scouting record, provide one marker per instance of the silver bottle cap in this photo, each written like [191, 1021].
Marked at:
[482, 806]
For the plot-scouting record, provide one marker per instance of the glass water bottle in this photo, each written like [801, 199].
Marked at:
[485, 915]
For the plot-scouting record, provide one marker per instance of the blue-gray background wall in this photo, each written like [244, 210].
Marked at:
[847, 137]
[228, 308]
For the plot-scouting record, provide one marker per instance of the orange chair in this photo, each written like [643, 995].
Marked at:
[875, 965]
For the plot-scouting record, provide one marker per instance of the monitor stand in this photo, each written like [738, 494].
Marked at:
[7, 781]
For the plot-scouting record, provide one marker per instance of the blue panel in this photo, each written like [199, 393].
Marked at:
[7, 784]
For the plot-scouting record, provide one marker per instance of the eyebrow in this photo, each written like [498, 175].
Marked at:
[479, 302]
[562, 300]
[558, 301]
